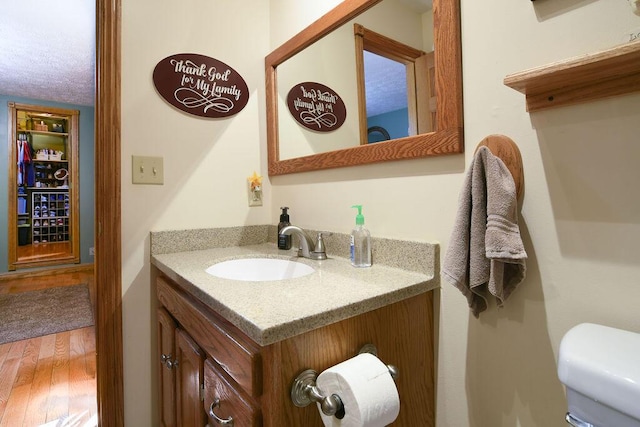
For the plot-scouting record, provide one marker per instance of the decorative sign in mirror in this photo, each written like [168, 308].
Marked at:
[316, 107]
[200, 85]
[434, 35]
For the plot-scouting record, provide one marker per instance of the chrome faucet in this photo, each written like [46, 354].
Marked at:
[307, 248]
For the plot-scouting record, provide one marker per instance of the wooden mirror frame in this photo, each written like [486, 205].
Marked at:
[448, 137]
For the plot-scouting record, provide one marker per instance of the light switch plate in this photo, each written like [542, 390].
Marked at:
[147, 170]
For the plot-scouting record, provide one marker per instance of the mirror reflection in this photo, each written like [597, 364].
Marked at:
[337, 61]
[394, 86]
[326, 52]
[386, 104]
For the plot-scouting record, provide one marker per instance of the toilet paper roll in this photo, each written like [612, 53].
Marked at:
[368, 392]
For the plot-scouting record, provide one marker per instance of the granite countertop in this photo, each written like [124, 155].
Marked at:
[272, 311]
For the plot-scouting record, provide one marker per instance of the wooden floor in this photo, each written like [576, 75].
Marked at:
[49, 381]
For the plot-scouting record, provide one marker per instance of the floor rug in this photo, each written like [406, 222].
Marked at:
[32, 314]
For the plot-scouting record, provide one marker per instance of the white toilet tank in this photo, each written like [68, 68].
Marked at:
[600, 368]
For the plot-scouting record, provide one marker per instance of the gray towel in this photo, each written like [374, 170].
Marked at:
[485, 254]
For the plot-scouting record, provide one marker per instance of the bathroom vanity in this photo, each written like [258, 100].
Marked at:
[230, 350]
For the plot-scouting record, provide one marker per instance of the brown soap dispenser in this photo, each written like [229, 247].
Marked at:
[284, 242]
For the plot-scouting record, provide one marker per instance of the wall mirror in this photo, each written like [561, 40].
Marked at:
[321, 53]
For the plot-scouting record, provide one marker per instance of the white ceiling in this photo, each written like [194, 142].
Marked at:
[385, 84]
[47, 50]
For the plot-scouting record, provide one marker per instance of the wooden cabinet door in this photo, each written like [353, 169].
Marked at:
[224, 403]
[166, 371]
[189, 382]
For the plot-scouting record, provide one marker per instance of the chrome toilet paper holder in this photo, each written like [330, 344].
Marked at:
[304, 390]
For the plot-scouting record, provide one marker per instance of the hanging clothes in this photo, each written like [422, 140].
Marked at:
[30, 169]
[25, 170]
[20, 170]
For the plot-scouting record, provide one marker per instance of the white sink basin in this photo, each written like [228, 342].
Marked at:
[259, 269]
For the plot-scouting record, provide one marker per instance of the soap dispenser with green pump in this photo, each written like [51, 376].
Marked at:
[360, 242]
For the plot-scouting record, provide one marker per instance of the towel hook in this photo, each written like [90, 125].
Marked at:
[506, 150]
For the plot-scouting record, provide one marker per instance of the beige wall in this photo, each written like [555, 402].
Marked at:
[580, 215]
[206, 161]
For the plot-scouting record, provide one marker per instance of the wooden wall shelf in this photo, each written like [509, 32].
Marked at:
[615, 71]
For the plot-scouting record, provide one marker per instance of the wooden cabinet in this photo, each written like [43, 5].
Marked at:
[189, 366]
[166, 374]
[250, 384]
[181, 375]
[224, 403]
[44, 229]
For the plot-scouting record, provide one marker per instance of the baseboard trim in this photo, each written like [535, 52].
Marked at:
[85, 268]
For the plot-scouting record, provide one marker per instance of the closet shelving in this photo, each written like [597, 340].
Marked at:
[603, 74]
[47, 210]
[45, 186]
[50, 216]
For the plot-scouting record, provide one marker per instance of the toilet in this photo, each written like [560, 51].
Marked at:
[600, 369]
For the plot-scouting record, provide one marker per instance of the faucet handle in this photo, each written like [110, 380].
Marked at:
[320, 246]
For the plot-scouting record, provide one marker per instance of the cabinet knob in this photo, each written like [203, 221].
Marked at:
[166, 359]
[217, 419]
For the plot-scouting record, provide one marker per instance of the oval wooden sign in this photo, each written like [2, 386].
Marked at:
[200, 85]
[316, 106]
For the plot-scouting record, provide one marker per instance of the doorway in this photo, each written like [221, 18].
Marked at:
[43, 191]
[107, 260]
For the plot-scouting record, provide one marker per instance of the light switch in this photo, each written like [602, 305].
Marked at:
[147, 170]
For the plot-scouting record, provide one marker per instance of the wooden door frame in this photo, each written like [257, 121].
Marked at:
[108, 265]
